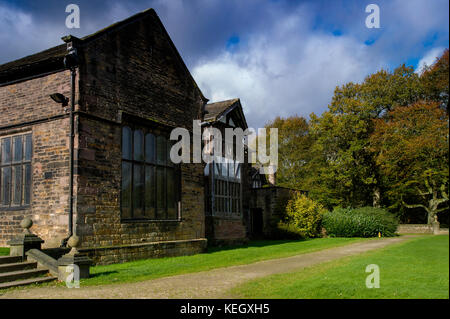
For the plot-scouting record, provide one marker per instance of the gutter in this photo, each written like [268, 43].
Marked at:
[71, 62]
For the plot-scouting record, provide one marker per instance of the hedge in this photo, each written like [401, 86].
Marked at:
[359, 222]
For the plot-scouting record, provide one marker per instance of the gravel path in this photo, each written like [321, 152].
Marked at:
[208, 284]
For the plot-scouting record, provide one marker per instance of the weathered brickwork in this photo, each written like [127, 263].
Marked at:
[225, 231]
[26, 107]
[30, 100]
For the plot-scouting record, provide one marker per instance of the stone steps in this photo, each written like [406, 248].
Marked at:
[22, 274]
[17, 266]
[10, 259]
[26, 282]
[15, 272]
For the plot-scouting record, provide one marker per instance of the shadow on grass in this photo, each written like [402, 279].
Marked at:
[101, 274]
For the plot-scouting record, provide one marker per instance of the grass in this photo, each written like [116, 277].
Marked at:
[214, 258]
[418, 268]
[4, 251]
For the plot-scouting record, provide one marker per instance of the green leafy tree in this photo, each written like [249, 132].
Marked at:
[345, 170]
[294, 142]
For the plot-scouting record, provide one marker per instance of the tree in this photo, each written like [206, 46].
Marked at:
[345, 167]
[435, 81]
[294, 143]
[411, 144]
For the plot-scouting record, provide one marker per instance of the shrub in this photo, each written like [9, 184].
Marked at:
[360, 222]
[303, 216]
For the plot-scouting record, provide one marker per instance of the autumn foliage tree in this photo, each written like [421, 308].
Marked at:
[435, 81]
[412, 149]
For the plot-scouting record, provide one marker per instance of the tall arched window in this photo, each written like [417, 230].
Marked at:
[150, 181]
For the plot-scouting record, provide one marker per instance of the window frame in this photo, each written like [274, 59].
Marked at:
[154, 165]
[23, 163]
[227, 190]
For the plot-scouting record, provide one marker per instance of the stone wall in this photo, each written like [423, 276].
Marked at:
[26, 107]
[270, 199]
[225, 231]
[414, 229]
[124, 253]
[98, 216]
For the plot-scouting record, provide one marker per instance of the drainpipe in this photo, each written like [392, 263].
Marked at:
[71, 62]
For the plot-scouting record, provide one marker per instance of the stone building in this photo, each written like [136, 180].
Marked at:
[84, 144]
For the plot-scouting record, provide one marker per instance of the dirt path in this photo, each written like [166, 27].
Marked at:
[209, 284]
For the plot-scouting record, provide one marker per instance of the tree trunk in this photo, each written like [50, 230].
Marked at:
[376, 198]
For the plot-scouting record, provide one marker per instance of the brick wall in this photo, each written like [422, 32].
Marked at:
[25, 108]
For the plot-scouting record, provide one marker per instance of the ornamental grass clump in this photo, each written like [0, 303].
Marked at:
[359, 222]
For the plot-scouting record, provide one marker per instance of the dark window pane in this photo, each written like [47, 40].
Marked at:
[126, 190]
[138, 145]
[150, 148]
[17, 185]
[171, 197]
[126, 143]
[150, 192]
[161, 149]
[28, 147]
[6, 150]
[160, 194]
[5, 190]
[169, 147]
[138, 190]
[27, 185]
[18, 149]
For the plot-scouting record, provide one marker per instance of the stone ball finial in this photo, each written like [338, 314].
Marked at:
[74, 241]
[26, 224]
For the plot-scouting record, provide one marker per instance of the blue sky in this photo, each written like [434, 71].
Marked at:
[280, 57]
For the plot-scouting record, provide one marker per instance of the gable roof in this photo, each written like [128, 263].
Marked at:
[52, 59]
[214, 112]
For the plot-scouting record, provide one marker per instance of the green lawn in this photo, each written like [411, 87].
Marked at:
[414, 269]
[214, 258]
[4, 251]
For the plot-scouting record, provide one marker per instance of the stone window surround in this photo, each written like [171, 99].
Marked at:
[24, 132]
[148, 128]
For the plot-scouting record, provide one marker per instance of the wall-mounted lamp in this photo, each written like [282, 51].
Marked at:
[59, 98]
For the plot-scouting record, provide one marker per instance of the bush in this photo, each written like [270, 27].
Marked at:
[303, 217]
[359, 222]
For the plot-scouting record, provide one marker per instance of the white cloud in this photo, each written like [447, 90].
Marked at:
[429, 58]
[290, 70]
